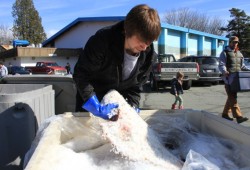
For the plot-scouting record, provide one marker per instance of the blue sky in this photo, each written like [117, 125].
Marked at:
[56, 14]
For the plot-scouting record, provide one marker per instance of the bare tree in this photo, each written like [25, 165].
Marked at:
[5, 34]
[184, 17]
[215, 26]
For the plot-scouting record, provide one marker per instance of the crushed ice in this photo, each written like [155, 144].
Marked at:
[159, 142]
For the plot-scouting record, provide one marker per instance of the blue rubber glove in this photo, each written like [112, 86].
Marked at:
[137, 109]
[103, 111]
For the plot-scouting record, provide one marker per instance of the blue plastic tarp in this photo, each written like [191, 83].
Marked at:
[22, 43]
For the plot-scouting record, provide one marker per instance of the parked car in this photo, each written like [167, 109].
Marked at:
[208, 68]
[47, 68]
[17, 70]
[247, 62]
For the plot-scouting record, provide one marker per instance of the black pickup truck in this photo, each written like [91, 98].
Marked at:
[165, 68]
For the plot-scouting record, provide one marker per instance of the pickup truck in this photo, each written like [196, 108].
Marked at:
[165, 68]
[47, 68]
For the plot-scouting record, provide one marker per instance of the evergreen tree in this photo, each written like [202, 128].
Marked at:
[240, 26]
[27, 22]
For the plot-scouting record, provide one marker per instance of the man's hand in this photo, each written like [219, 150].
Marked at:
[104, 111]
[226, 73]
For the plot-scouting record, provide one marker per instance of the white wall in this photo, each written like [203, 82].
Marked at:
[219, 49]
[79, 35]
[173, 43]
[192, 44]
[207, 46]
[16, 61]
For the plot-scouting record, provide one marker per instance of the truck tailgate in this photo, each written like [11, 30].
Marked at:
[179, 66]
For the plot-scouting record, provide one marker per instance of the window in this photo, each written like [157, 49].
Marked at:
[209, 61]
[189, 59]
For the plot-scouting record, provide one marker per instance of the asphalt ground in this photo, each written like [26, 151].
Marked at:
[210, 98]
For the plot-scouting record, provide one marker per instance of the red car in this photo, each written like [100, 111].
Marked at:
[47, 68]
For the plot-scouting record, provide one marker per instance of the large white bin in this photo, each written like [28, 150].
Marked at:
[205, 122]
[22, 109]
[65, 90]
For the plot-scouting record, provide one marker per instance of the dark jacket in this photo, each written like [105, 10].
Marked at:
[99, 67]
[176, 87]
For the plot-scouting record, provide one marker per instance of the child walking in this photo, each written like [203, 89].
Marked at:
[177, 90]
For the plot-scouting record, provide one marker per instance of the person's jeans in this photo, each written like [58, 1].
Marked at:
[178, 99]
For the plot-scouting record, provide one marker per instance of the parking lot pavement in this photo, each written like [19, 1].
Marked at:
[208, 98]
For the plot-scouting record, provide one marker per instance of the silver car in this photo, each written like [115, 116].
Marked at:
[247, 62]
[208, 68]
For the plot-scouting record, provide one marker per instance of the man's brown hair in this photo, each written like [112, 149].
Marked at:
[144, 22]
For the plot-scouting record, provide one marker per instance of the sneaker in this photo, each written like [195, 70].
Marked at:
[174, 106]
[227, 117]
[181, 107]
[241, 119]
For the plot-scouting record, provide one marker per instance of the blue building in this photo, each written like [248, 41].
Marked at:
[182, 42]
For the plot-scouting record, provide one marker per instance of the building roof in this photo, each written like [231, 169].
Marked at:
[79, 20]
[6, 47]
[119, 18]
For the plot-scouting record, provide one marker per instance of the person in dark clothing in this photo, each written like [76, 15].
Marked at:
[177, 90]
[117, 57]
[68, 68]
[231, 60]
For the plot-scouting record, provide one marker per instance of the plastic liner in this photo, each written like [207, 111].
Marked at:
[69, 142]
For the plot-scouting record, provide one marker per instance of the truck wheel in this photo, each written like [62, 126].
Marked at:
[216, 83]
[187, 84]
[153, 84]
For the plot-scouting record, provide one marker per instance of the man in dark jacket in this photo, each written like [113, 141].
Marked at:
[117, 57]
